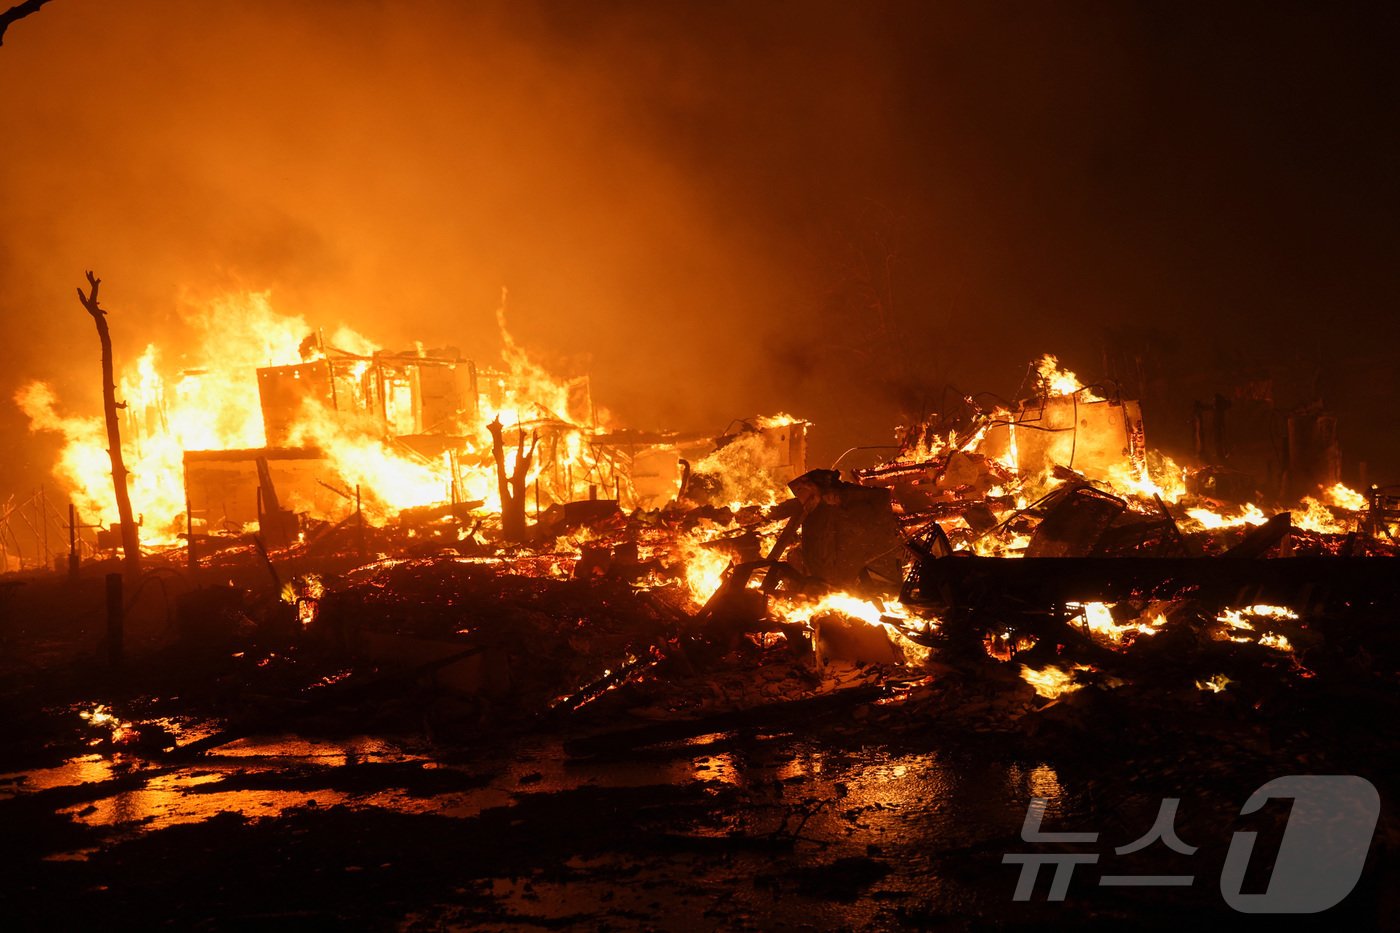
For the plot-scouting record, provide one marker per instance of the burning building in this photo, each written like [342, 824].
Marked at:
[229, 446]
[424, 637]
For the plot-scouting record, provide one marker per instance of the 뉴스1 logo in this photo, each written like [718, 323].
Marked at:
[1324, 847]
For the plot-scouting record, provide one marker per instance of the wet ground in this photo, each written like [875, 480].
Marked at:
[893, 813]
[717, 830]
[831, 830]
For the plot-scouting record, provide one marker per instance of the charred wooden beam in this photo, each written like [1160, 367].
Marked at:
[966, 580]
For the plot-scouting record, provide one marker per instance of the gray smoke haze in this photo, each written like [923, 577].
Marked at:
[716, 209]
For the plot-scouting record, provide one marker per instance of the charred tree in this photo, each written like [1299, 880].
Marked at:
[131, 545]
[511, 484]
[16, 12]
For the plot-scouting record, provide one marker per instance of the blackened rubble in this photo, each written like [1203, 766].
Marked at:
[744, 680]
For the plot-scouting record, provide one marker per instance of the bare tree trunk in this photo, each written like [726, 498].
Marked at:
[131, 545]
[511, 485]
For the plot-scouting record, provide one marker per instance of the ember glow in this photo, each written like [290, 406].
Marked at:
[896, 619]
[1052, 682]
[1216, 683]
[1242, 624]
[1098, 619]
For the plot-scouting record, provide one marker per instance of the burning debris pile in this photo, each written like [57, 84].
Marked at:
[408, 550]
[491, 528]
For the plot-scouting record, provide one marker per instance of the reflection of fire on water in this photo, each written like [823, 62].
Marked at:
[101, 717]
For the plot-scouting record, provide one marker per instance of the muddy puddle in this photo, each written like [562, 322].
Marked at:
[882, 792]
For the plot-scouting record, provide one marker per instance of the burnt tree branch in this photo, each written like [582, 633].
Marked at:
[511, 484]
[17, 12]
[131, 545]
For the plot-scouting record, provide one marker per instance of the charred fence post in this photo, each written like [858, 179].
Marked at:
[72, 541]
[44, 524]
[191, 561]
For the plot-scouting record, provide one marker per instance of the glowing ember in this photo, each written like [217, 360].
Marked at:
[1265, 611]
[874, 611]
[1002, 545]
[1213, 684]
[1235, 619]
[1249, 618]
[888, 615]
[98, 715]
[1051, 681]
[1098, 618]
[305, 594]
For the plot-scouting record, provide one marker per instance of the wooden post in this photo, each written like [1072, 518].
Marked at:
[190, 559]
[44, 523]
[115, 620]
[131, 545]
[73, 558]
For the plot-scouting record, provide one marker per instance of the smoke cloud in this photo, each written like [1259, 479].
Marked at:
[716, 209]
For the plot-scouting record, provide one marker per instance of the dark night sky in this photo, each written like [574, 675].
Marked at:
[699, 197]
